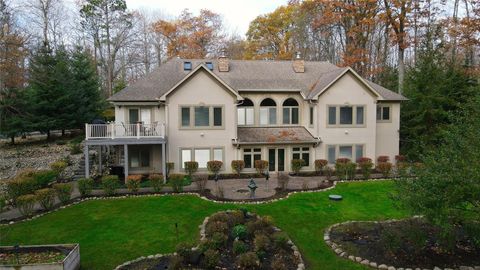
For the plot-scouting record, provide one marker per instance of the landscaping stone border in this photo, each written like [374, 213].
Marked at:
[203, 236]
[252, 202]
[376, 265]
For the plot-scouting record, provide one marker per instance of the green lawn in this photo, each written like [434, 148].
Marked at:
[113, 231]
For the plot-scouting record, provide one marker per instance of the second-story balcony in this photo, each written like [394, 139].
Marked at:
[124, 131]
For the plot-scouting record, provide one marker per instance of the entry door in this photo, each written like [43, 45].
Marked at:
[276, 159]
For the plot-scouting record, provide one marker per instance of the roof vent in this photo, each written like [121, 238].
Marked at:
[209, 65]
[298, 63]
[187, 66]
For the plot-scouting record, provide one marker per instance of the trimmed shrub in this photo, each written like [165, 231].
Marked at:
[261, 225]
[283, 179]
[238, 166]
[400, 158]
[85, 186]
[25, 204]
[133, 182]
[45, 177]
[184, 250]
[63, 191]
[345, 168]
[366, 166]
[110, 184]
[20, 186]
[156, 180]
[214, 166]
[240, 232]
[261, 242]
[219, 240]
[58, 166]
[46, 197]
[239, 247]
[297, 164]
[383, 159]
[176, 181]
[211, 258]
[320, 165]
[191, 167]
[200, 181]
[384, 168]
[261, 166]
[217, 226]
[248, 260]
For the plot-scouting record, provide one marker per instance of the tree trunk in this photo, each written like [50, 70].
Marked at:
[12, 139]
[401, 69]
[48, 134]
[63, 132]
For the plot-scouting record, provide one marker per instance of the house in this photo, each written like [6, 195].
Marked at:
[228, 110]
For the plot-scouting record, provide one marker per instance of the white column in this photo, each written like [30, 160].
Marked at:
[125, 161]
[87, 162]
[164, 163]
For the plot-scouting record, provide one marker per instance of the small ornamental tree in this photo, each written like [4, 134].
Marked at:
[383, 159]
[238, 166]
[63, 191]
[366, 166]
[110, 184]
[297, 165]
[320, 165]
[133, 182]
[261, 166]
[385, 168]
[156, 181]
[191, 167]
[345, 168]
[214, 166]
[46, 197]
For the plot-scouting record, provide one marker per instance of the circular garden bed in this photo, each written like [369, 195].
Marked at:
[230, 240]
[410, 243]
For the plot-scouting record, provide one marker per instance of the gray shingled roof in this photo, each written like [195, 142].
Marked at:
[273, 135]
[244, 75]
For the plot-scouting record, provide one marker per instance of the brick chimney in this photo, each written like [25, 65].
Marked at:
[298, 63]
[223, 65]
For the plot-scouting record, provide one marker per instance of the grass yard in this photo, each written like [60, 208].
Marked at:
[113, 231]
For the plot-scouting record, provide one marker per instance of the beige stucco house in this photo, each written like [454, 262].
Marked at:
[248, 110]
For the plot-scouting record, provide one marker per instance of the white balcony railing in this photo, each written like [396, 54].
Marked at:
[113, 131]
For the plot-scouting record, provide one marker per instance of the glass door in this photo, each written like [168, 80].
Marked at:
[271, 159]
[281, 159]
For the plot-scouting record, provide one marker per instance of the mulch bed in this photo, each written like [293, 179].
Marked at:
[408, 243]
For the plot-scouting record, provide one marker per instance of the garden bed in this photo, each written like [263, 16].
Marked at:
[411, 243]
[230, 240]
[40, 257]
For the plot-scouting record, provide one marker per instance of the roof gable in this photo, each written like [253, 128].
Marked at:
[200, 67]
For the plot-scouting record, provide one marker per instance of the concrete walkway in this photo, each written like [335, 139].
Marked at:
[233, 189]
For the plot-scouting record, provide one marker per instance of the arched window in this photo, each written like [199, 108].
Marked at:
[268, 112]
[245, 113]
[290, 112]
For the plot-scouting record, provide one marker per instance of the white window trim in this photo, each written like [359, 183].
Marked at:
[354, 116]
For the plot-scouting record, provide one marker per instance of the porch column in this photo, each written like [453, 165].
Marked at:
[125, 161]
[164, 165]
[87, 162]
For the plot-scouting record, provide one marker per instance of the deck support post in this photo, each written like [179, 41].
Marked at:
[100, 148]
[87, 162]
[164, 165]
[125, 161]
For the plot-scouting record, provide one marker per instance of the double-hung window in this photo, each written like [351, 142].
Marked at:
[383, 113]
[245, 113]
[201, 117]
[250, 155]
[343, 115]
[352, 152]
[301, 153]
[200, 155]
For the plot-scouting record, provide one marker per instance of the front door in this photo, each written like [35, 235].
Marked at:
[276, 159]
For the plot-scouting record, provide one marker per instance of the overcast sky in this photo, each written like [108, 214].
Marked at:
[236, 14]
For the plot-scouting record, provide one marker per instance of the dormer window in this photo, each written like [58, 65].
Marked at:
[187, 66]
[209, 65]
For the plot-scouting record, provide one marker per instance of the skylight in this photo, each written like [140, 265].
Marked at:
[187, 65]
[209, 65]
